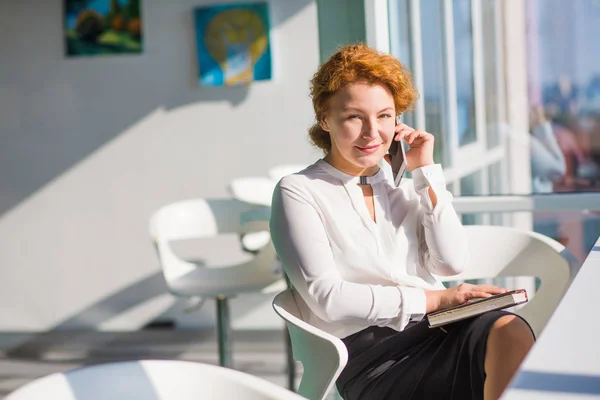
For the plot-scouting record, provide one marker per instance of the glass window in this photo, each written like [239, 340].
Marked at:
[400, 37]
[577, 231]
[469, 185]
[434, 74]
[564, 79]
[561, 144]
[463, 59]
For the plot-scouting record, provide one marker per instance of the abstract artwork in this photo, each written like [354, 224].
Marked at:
[233, 44]
[102, 27]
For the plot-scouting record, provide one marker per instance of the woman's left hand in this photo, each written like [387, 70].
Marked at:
[421, 146]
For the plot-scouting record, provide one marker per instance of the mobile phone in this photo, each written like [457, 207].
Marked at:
[398, 158]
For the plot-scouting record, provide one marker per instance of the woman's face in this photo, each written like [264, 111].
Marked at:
[360, 121]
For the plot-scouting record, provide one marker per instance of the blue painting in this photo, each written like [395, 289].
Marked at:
[233, 45]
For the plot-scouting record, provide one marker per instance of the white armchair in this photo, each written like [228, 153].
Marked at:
[208, 218]
[495, 251]
[279, 171]
[322, 355]
[151, 380]
[501, 251]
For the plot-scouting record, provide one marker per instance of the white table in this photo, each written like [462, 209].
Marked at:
[565, 361]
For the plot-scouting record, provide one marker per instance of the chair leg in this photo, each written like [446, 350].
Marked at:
[224, 332]
[291, 365]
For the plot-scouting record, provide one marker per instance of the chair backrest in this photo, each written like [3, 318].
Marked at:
[197, 219]
[279, 171]
[253, 189]
[322, 355]
[500, 251]
[152, 380]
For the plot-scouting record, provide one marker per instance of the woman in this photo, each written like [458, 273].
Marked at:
[362, 254]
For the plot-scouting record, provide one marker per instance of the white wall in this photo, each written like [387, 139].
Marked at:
[90, 147]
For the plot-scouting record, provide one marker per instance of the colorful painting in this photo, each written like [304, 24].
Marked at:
[102, 27]
[233, 44]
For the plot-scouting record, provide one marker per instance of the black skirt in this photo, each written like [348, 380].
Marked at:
[418, 362]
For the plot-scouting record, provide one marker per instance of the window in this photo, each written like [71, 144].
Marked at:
[504, 124]
[463, 69]
[458, 50]
[434, 90]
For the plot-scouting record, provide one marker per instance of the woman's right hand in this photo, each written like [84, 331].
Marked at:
[440, 299]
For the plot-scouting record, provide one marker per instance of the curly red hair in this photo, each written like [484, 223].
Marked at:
[357, 63]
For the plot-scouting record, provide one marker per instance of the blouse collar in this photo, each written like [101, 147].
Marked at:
[347, 178]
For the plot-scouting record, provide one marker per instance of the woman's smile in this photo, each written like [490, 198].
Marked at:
[368, 149]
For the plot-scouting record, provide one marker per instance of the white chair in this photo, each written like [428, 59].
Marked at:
[201, 218]
[501, 251]
[151, 380]
[255, 190]
[259, 191]
[323, 356]
[495, 251]
[279, 171]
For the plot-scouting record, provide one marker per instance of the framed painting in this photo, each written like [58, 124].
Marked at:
[102, 27]
[233, 45]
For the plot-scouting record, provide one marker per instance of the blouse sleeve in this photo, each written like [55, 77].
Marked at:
[302, 245]
[444, 234]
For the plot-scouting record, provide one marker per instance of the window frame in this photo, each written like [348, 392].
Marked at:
[475, 157]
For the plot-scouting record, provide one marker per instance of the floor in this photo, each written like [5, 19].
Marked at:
[26, 357]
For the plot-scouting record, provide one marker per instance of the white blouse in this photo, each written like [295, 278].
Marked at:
[350, 272]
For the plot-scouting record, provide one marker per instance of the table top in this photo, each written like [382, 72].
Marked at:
[565, 361]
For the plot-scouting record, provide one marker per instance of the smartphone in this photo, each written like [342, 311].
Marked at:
[398, 158]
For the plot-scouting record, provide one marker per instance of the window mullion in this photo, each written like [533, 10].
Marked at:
[452, 146]
[479, 89]
[377, 24]
[478, 74]
[501, 91]
[417, 61]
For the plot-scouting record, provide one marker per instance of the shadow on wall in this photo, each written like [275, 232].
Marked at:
[74, 106]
